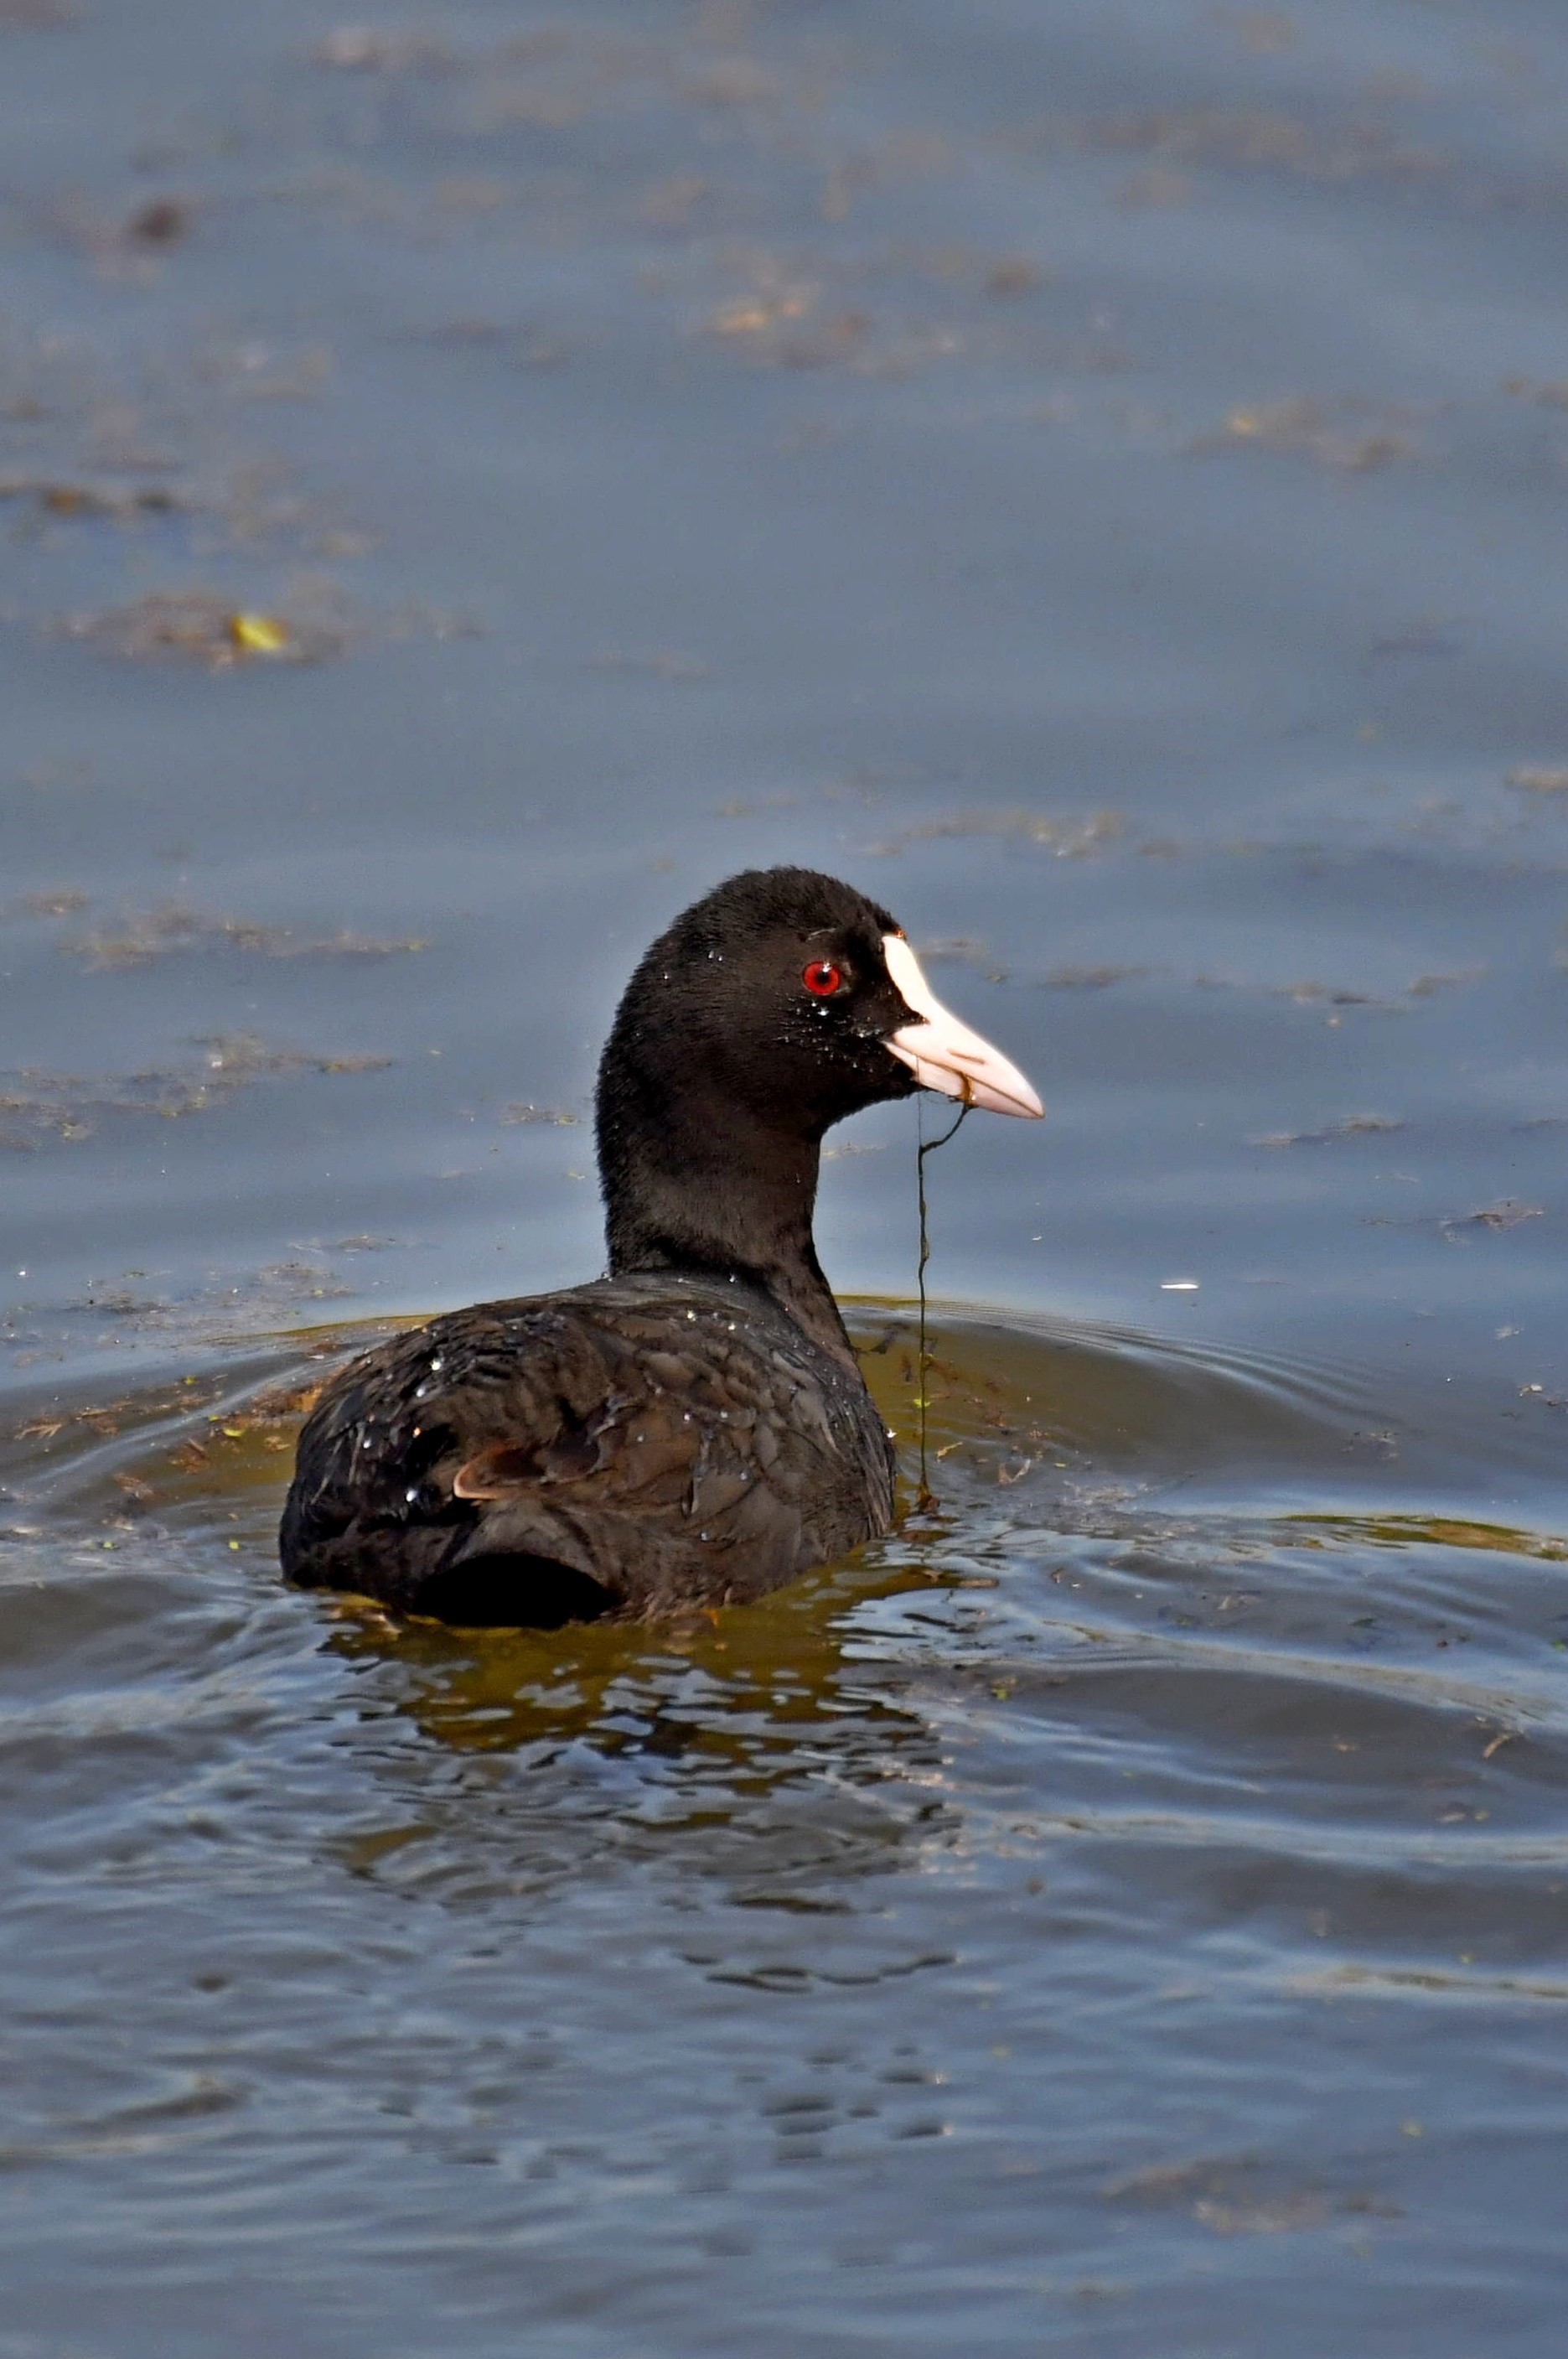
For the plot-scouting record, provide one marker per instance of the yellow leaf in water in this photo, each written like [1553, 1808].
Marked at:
[258, 634]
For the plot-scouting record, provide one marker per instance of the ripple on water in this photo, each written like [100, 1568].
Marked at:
[1171, 1772]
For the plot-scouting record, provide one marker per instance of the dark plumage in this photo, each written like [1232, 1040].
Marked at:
[694, 1427]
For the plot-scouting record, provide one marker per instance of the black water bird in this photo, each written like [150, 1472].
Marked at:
[692, 1428]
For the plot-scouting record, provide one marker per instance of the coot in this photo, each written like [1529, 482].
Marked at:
[692, 1428]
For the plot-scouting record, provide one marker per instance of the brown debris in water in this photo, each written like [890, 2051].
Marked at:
[42, 1105]
[118, 503]
[954, 949]
[1310, 993]
[314, 617]
[1539, 778]
[783, 329]
[370, 48]
[1297, 427]
[1426, 986]
[1251, 139]
[784, 319]
[1507, 1213]
[1089, 978]
[175, 927]
[202, 628]
[278, 1405]
[538, 1114]
[240, 1056]
[64, 903]
[1431, 638]
[104, 1420]
[120, 458]
[162, 221]
[1548, 393]
[1242, 2197]
[1354, 1126]
[1014, 275]
[1068, 839]
[754, 315]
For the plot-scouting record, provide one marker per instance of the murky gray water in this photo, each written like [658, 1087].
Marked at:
[1096, 478]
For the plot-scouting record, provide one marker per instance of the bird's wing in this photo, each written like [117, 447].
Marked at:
[662, 1450]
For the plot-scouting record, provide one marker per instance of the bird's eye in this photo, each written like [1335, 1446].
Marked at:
[824, 978]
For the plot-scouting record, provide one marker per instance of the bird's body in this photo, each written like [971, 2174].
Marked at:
[617, 1448]
[693, 1429]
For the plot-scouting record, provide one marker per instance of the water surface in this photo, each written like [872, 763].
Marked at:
[1096, 479]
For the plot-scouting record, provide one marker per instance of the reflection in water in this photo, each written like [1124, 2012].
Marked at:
[756, 1694]
[748, 1750]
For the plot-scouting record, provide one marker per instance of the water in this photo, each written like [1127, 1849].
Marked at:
[1096, 480]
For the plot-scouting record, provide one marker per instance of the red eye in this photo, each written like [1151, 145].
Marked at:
[823, 977]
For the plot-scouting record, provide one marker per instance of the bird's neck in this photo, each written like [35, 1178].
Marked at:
[701, 1185]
